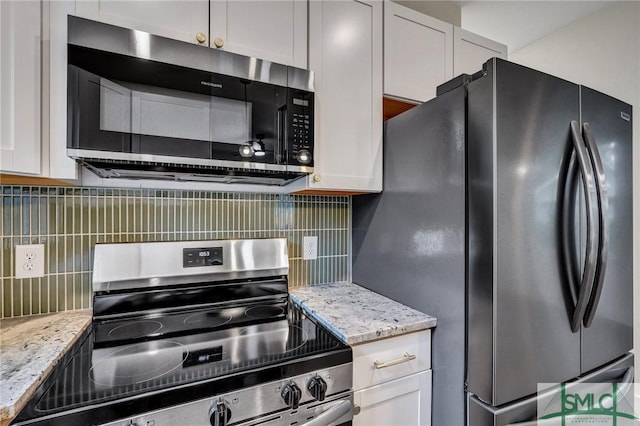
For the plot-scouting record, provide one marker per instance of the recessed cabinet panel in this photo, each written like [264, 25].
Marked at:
[271, 30]
[471, 51]
[20, 87]
[398, 402]
[180, 20]
[417, 53]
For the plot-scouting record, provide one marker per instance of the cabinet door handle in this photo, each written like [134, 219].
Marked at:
[405, 358]
[218, 42]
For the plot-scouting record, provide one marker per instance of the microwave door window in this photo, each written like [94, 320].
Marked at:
[115, 107]
[170, 116]
[230, 121]
[169, 122]
[160, 116]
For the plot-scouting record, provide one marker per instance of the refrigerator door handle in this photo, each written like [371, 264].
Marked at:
[589, 186]
[603, 207]
[568, 212]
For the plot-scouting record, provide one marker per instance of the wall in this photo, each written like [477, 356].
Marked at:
[601, 51]
[520, 23]
[70, 221]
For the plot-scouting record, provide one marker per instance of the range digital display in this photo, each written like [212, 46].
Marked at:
[207, 256]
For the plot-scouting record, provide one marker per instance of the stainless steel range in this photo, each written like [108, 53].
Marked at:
[197, 333]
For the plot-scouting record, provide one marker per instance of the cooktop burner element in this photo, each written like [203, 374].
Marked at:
[298, 338]
[138, 363]
[174, 333]
[135, 329]
[207, 319]
[264, 312]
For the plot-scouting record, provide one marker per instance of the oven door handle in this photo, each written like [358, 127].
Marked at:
[332, 414]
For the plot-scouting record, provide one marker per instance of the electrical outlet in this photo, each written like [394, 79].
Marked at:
[309, 248]
[29, 261]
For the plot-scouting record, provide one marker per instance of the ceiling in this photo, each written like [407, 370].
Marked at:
[519, 23]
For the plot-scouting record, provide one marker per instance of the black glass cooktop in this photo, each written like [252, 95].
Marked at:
[252, 345]
[118, 331]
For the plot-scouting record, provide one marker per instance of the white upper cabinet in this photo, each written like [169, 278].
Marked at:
[180, 20]
[421, 52]
[20, 87]
[470, 51]
[418, 53]
[271, 30]
[345, 53]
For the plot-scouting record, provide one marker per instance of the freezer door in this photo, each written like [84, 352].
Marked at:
[525, 412]
[520, 303]
[610, 334]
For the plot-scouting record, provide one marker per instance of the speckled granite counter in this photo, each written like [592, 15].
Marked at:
[358, 315]
[29, 348]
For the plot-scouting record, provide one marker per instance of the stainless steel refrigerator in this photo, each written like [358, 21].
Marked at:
[506, 212]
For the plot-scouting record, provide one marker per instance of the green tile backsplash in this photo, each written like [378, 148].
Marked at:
[70, 221]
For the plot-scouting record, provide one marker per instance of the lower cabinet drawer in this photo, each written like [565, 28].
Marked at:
[405, 401]
[387, 359]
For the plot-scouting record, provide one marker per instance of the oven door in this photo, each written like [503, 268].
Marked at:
[336, 411]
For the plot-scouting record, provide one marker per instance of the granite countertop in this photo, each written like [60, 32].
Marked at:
[358, 315]
[29, 348]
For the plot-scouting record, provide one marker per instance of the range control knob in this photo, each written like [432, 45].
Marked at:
[317, 387]
[291, 395]
[219, 414]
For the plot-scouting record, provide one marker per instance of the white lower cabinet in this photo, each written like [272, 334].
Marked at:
[392, 381]
[405, 401]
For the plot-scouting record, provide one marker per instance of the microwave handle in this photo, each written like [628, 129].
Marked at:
[281, 138]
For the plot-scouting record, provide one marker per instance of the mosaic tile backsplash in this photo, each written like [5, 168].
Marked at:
[70, 221]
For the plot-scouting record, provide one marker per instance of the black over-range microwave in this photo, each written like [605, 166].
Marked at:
[144, 106]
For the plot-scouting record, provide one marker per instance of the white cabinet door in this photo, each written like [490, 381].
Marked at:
[470, 51]
[20, 89]
[177, 19]
[274, 30]
[56, 164]
[405, 401]
[345, 52]
[418, 53]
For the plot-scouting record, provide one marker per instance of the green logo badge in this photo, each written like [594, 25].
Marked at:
[586, 404]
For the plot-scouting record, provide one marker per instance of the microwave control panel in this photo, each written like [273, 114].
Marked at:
[300, 132]
[300, 124]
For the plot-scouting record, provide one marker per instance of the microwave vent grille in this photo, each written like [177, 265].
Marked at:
[137, 169]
